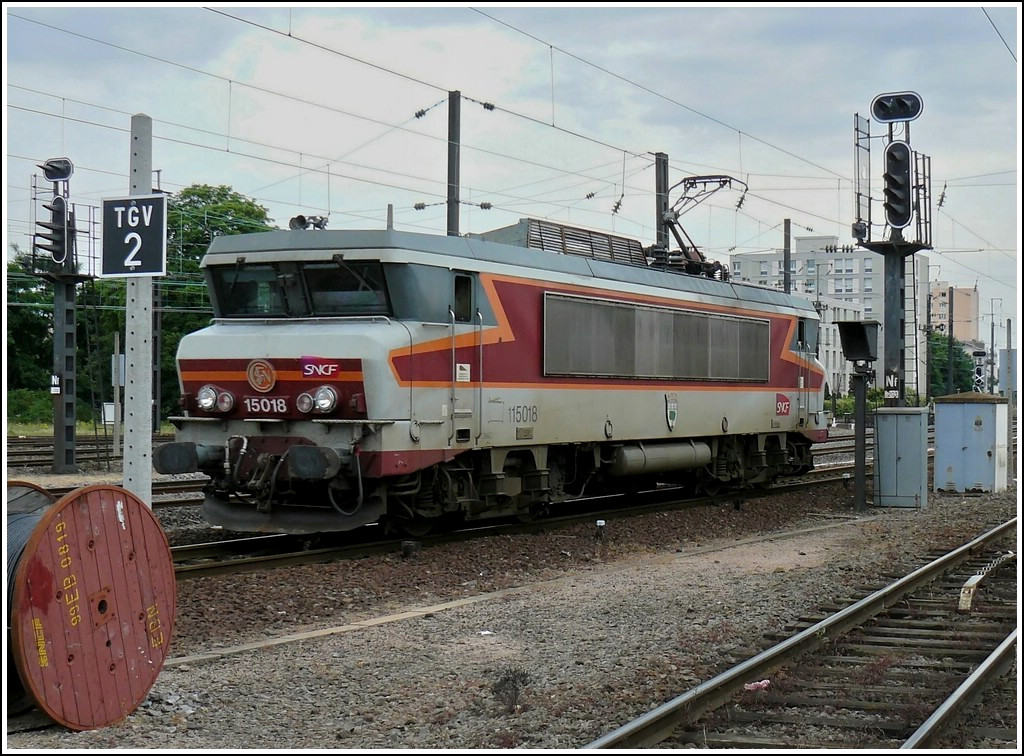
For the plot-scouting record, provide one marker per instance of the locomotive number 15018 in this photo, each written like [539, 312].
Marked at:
[266, 404]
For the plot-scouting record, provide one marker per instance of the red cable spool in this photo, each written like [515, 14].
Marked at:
[91, 604]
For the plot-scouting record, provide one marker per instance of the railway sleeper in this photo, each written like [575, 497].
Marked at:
[739, 716]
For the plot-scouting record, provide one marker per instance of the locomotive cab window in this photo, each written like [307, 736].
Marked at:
[807, 335]
[248, 291]
[346, 288]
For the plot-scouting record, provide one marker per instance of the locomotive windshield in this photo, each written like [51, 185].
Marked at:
[299, 289]
[248, 291]
[348, 288]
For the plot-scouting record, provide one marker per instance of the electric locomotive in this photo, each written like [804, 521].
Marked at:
[354, 377]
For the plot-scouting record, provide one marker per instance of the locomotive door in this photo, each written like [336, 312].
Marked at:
[807, 349]
[465, 345]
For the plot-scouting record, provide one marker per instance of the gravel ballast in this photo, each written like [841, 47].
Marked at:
[546, 640]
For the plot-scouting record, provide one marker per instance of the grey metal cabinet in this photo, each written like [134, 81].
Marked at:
[901, 457]
[970, 443]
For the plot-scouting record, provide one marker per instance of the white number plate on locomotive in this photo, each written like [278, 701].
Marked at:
[266, 405]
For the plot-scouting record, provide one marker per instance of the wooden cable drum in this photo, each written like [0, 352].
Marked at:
[90, 602]
[24, 504]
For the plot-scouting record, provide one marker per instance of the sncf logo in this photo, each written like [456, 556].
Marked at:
[314, 367]
[781, 404]
[261, 375]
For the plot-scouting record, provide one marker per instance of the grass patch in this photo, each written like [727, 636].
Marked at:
[82, 430]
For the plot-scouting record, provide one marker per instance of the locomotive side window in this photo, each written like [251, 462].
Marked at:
[346, 288]
[463, 306]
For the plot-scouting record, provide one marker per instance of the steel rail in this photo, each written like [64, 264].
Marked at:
[216, 549]
[660, 723]
[995, 664]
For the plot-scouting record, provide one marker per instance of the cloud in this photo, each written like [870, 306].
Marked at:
[765, 94]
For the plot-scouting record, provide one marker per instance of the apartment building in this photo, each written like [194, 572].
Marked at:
[846, 283]
[963, 306]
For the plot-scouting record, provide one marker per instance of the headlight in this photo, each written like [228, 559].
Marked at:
[207, 398]
[304, 403]
[325, 399]
[212, 399]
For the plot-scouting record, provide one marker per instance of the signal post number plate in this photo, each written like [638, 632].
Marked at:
[266, 405]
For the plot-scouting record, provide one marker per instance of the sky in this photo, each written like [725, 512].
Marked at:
[342, 111]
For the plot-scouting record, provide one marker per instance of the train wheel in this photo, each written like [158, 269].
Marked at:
[528, 515]
[417, 527]
[711, 487]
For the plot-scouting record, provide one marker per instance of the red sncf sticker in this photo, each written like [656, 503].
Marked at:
[781, 404]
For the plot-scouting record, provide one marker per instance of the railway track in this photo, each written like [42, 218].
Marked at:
[164, 491]
[37, 451]
[264, 552]
[892, 669]
[273, 580]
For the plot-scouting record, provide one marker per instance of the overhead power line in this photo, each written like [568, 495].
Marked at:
[1000, 34]
[489, 106]
[326, 107]
[289, 149]
[334, 174]
[657, 94]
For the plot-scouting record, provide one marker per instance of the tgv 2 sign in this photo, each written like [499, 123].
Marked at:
[134, 236]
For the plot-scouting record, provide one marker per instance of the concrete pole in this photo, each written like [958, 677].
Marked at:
[138, 394]
[1011, 389]
[786, 284]
[949, 342]
[116, 380]
[928, 351]
[661, 198]
[992, 358]
[992, 346]
[454, 128]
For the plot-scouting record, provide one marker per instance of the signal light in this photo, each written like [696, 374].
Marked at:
[898, 203]
[897, 106]
[54, 238]
[57, 169]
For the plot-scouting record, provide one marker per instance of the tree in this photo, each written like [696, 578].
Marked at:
[199, 213]
[963, 367]
[195, 216]
[29, 326]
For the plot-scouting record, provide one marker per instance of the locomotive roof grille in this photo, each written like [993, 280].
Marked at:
[568, 240]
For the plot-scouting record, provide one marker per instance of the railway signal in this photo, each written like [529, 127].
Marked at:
[896, 106]
[54, 237]
[899, 200]
[979, 370]
[57, 169]
[55, 234]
